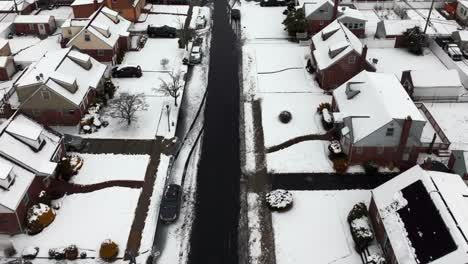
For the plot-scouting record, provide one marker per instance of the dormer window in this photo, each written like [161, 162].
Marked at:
[45, 95]
[87, 37]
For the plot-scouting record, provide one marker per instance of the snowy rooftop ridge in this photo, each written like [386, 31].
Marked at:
[447, 192]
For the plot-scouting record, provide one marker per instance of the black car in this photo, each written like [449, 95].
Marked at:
[74, 143]
[170, 204]
[126, 71]
[235, 14]
[161, 32]
[273, 3]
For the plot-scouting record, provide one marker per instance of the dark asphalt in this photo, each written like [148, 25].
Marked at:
[214, 234]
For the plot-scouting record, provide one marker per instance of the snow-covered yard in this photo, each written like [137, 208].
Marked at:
[158, 20]
[303, 108]
[269, 26]
[395, 61]
[289, 81]
[453, 120]
[107, 167]
[279, 56]
[86, 220]
[315, 229]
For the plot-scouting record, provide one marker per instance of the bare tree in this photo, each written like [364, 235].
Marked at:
[173, 85]
[127, 105]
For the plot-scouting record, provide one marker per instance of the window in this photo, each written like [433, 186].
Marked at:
[352, 59]
[321, 22]
[361, 25]
[26, 199]
[87, 37]
[69, 32]
[45, 95]
[356, 25]
[389, 132]
[31, 27]
[100, 53]
[359, 150]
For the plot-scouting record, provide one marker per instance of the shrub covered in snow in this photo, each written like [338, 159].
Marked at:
[57, 253]
[71, 252]
[109, 250]
[285, 117]
[370, 167]
[376, 259]
[279, 199]
[83, 255]
[30, 252]
[9, 250]
[360, 226]
[44, 198]
[38, 217]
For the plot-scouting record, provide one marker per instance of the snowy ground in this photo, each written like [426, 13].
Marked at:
[305, 119]
[108, 167]
[371, 23]
[453, 120]
[268, 27]
[255, 227]
[306, 240]
[395, 61]
[86, 220]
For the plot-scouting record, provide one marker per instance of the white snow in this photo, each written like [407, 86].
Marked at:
[12, 197]
[255, 226]
[171, 9]
[28, 49]
[158, 20]
[442, 78]
[32, 19]
[268, 27]
[428, 131]
[108, 167]
[278, 56]
[300, 236]
[438, 24]
[87, 220]
[289, 81]
[279, 198]
[303, 108]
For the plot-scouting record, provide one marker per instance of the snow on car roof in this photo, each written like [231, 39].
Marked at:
[196, 49]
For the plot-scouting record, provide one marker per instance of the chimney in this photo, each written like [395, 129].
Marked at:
[406, 82]
[405, 133]
[95, 4]
[363, 56]
[335, 10]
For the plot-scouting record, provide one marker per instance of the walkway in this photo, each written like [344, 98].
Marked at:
[60, 188]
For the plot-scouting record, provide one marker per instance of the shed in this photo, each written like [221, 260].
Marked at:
[34, 24]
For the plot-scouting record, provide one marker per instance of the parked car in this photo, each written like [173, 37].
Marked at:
[200, 22]
[126, 71]
[74, 143]
[195, 55]
[274, 3]
[170, 203]
[235, 14]
[454, 52]
[161, 32]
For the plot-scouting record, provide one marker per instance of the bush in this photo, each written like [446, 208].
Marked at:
[10, 251]
[57, 253]
[323, 106]
[370, 167]
[279, 199]
[376, 259]
[64, 169]
[109, 250]
[285, 117]
[83, 255]
[71, 252]
[340, 164]
[359, 210]
[44, 198]
[30, 252]
[361, 230]
[39, 216]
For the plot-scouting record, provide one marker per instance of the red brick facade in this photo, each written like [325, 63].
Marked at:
[317, 25]
[360, 33]
[84, 11]
[31, 29]
[4, 74]
[106, 55]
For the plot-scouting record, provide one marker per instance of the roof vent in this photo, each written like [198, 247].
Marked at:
[350, 93]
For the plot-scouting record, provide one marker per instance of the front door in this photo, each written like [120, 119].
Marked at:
[42, 30]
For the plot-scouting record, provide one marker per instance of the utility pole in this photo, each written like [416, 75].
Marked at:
[428, 17]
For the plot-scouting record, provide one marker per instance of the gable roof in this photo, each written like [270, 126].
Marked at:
[398, 27]
[32, 19]
[19, 152]
[380, 99]
[338, 33]
[62, 67]
[408, 200]
[346, 11]
[312, 6]
[105, 24]
[439, 78]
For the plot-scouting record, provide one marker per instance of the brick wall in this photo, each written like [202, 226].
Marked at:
[315, 26]
[106, 56]
[4, 74]
[340, 72]
[25, 29]
[83, 11]
[9, 224]
[360, 33]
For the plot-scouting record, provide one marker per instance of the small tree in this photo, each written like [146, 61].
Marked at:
[164, 63]
[295, 21]
[172, 86]
[127, 105]
[415, 39]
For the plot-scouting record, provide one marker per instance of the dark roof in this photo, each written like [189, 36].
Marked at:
[426, 229]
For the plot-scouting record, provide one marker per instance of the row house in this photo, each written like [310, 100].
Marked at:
[58, 89]
[377, 121]
[420, 217]
[29, 155]
[104, 36]
[337, 55]
[42, 25]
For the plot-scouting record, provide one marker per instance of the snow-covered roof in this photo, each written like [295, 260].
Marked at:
[3, 42]
[106, 25]
[380, 100]
[5, 170]
[443, 194]
[61, 68]
[442, 78]
[12, 197]
[463, 2]
[322, 46]
[14, 149]
[397, 27]
[85, 2]
[3, 60]
[32, 19]
[75, 22]
[346, 11]
[312, 6]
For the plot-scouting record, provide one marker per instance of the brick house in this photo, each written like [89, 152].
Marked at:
[423, 85]
[24, 7]
[85, 8]
[337, 55]
[394, 29]
[129, 9]
[377, 121]
[420, 217]
[58, 89]
[104, 36]
[29, 154]
[42, 25]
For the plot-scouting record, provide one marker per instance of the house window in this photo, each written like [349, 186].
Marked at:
[389, 132]
[100, 53]
[361, 25]
[345, 24]
[359, 150]
[3, 221]
[352, 59]
[356, 26]
[31, 27]
[45, 95]
[26, 199]
[69, 32]
[321, 22]
[87, 37]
